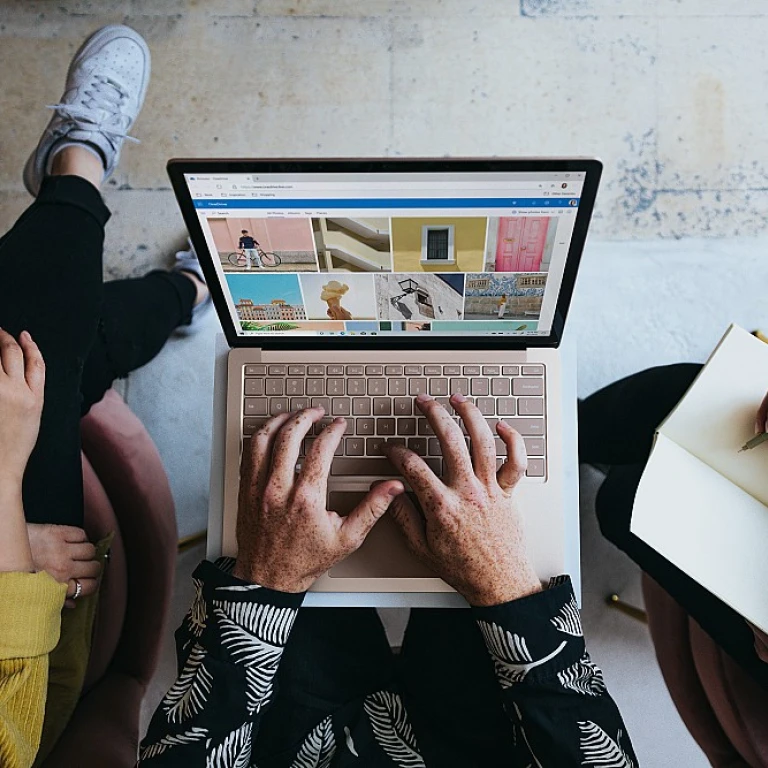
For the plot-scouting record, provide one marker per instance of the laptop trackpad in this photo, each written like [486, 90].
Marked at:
[384, 554]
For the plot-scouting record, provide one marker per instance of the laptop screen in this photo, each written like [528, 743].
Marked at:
[343, 254]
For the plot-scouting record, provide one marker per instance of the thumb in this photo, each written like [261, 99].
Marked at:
[367, 513]
[411, 522]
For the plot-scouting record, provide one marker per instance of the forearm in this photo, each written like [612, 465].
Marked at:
[554, 694]
[15, 554]
[229, 648]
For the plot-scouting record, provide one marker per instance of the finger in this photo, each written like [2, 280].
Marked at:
[70, 534]
[317, 464]
[452, 444]
[84, 551]
[288, 446]
[368, 512]
[11, 356]
[86, 569]
[87, 587]
[255, 463]
[513, 469]
[34, 366]
[762, 417]
[411, 523]
[424, 482]
[481, 437]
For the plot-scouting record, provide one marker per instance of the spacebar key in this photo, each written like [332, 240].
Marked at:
[373, 467]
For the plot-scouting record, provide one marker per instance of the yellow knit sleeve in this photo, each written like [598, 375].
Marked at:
[30, 619]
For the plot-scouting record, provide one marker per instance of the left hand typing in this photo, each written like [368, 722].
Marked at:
[286, 536]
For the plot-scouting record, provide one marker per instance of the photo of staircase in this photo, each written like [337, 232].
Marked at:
[353, 245]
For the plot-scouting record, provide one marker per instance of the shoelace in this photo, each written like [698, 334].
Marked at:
[102, 94]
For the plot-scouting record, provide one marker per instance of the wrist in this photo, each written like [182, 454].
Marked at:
[504, 590]
[269, 579]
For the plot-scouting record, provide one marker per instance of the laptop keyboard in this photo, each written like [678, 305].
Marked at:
[377, 400]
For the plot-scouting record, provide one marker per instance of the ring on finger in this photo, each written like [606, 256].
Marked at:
[78, 589]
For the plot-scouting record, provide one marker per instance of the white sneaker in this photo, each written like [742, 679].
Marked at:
[106, 84]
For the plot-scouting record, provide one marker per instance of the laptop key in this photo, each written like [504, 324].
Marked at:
[315, 386]
[402, 406]
[535, 468]
[274, 387]
[255, 370]
[424, 427]
[256, 406]
[459, 386]
[487, 405]
[299, 403]
[438, 387]
[355, 370]
[506, 406]
[500, 387]
[354, 446]
[534, 446]
[297, 370]
[393, 370]
[398, 387]
[510, 370]
[490, 370]
[373, 446]
[528, 387]
[451, 370]
[254, 386]
[322, 424]
[471, 370]
[278, 370]
[278, 405]
[434, 447]
[377, 387]
[413, 370]
[417, 386]
[530, 406]
[334, 386]
[355, 386]
[382, 406]
[341, 406]
[322, 402]
[294, 387]
[433, 370]
[374, 370]
[527, 427]
[533, 370]
[361, 406]
[315, 370]
[418, 445]
[406, 426]
[365, 426]
[385, 427]
[335, 370]
[480, 387]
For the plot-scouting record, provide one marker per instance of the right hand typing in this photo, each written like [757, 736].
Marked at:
[469, 529]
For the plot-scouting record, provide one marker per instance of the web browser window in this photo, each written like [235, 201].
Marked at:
[383, 254]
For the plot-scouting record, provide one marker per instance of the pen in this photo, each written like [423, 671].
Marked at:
[754, 442]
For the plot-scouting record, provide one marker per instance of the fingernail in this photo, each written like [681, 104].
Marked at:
[395, 491]
[502, 425]
[423, 398]
[25, 335]
[459, 398]
[339, 420]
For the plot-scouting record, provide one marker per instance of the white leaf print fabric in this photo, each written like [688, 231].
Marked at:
[392, 730]
[234, 751]
[568, 619]
[255, 634]
[187, 696]
[600, 749]
[173, 740]
[197, 613]
[510, 654]
[583, 676]
[318, 748]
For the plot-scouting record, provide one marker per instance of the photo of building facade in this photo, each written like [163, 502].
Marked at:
[277, 309]
[353, 244]
[438, 244]
[420, 296]
[520, 243]
[503, 296]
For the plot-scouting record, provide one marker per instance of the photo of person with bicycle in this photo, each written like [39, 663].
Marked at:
[266, 244]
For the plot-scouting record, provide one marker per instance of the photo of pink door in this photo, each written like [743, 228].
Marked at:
[520, 244]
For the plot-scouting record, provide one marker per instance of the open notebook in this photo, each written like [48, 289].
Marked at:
[701, 503]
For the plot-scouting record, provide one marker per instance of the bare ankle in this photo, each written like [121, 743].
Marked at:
[78, 161]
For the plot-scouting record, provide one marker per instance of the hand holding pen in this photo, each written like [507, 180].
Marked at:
[761, 427]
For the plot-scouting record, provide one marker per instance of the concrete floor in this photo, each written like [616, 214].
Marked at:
[659, 90]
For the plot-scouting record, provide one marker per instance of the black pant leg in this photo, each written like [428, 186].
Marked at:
[451, 693]
[137, 318]
[334, 656]
[616, 424]
[724, 625]
[51, 286]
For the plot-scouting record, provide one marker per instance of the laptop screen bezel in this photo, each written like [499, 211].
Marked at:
[592, 168]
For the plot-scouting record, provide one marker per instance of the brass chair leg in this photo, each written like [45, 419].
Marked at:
[614, 601]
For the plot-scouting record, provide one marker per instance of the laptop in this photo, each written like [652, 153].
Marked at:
[358, 284]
